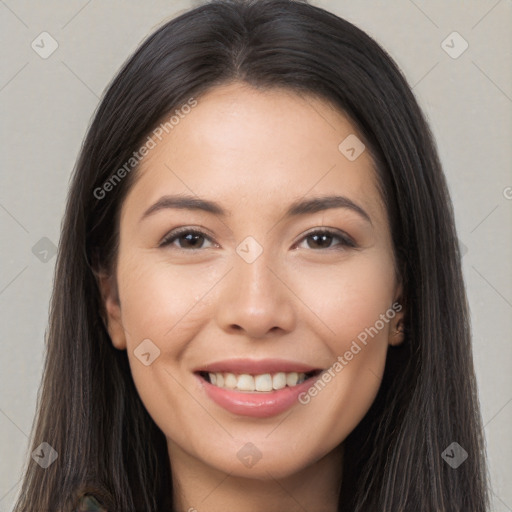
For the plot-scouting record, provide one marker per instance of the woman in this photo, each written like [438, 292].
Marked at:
[258, 299]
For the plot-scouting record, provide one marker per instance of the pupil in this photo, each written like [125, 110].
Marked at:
[192, 237]
[324, 238]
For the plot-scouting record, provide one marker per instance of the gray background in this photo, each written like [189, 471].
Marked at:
[46, 105]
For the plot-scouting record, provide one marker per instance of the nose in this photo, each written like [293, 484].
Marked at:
[255, 300]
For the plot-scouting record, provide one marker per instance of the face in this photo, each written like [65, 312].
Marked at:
[276, 266]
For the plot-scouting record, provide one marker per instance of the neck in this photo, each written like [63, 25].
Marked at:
[200, 488]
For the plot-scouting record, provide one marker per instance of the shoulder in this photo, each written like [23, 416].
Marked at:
[89, 503]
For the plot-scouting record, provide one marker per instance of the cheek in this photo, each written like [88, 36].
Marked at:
[167, 305]
[354, 305]
[164, 302]
[349, 300]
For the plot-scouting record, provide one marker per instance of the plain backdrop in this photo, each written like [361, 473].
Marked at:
[47, 103]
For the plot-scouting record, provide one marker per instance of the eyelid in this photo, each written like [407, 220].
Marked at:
[170, 237]
[346, 239]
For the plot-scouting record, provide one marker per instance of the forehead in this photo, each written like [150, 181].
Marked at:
[257, 149]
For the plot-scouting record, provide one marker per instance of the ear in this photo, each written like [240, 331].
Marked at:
[397, 325]
[111, 313]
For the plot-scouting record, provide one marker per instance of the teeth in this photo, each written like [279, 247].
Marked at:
[292, 378]
[264, 382]
[230, 381]
[279, 380]
[245, 382]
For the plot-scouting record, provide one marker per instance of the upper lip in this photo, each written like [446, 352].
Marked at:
[256, 366]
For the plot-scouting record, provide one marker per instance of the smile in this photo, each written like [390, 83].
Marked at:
[261, 383]
[256, 388]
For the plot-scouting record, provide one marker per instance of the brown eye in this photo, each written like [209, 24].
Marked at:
[323, 239]
[187, 239]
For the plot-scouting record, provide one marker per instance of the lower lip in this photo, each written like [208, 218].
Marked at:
[257, 405]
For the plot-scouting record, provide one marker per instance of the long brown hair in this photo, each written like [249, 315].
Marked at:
[88, 408]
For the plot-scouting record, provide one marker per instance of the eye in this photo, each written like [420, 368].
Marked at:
[322, 239]
[187, 239]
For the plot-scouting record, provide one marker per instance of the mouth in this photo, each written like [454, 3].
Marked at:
[256, 388]
[257, 383]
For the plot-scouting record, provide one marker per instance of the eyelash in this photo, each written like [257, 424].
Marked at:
[346, 241]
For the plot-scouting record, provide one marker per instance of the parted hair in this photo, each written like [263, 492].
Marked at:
[88, 408]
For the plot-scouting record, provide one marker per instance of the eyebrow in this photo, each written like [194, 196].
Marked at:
[299, 207]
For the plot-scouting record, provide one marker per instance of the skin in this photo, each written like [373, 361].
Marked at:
[254, 152]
